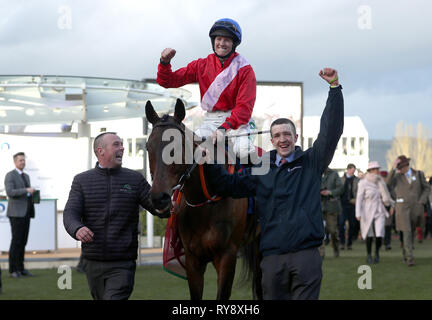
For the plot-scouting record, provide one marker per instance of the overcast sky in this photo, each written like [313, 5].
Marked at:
[382, 49]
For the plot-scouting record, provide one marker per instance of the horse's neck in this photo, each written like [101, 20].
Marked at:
[193, 189]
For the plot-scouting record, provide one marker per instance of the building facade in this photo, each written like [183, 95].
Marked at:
[353, 146]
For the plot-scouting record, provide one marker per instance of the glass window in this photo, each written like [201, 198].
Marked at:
[344, 146]
[339, 147]
[361, 146]
[353, 146]
[310, 142]
[140, 145]
[129, 144]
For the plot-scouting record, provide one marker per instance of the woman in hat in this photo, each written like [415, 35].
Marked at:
[227, 85]
[372, 197]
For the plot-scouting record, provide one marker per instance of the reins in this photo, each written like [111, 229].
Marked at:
[178, 188]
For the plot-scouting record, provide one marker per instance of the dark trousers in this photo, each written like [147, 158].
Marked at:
[110, 280]
[378, 242]
[292, 276]
[348, 213]
[387, 236]
[428, 226]
[20, 229]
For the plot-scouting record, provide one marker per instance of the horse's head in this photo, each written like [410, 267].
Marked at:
[166, 152]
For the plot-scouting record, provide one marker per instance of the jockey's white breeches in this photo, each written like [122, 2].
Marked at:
[243, 145]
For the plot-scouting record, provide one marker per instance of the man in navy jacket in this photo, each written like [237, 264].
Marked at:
[288, 201]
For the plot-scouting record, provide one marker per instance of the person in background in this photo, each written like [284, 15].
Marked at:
[389, 220]
[356, 231]
[348, 199]
[412, 191]
[20, 210]
[331, 189]
[372, 197]
[428, 224]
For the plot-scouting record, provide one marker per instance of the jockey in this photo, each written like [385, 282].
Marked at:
[227, 85]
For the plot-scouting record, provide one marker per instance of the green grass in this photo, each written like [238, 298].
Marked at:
[391, 279]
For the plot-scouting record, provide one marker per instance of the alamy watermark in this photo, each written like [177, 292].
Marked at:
[64, 22]
[178, 152]
[365, 280]
[364, 20]
[64, 282]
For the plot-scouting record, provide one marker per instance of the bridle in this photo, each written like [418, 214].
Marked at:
[187, 174]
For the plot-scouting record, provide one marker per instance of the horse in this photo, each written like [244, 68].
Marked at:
[210, 230]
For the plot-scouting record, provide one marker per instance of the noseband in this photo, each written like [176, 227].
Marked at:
[186, 175]
[178, 188]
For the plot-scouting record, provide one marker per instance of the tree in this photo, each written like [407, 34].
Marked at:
[417, 146]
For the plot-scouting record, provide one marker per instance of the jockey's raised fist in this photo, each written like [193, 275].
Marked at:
[167, 54]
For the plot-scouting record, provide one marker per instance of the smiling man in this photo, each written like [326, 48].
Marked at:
[227, 85]
[103, 212]
[288, 201]
[283, 137]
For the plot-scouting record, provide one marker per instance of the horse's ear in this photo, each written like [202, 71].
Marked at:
[151, 114]
[179, 111]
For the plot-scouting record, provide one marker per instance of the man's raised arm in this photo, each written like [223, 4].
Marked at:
[332, 120]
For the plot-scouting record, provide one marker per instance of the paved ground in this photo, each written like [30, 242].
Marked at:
[70, 257]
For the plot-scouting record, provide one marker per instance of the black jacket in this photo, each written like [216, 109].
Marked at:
[288, 198]
[107, 202]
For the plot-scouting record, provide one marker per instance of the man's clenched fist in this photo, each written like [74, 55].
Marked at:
[330, 75]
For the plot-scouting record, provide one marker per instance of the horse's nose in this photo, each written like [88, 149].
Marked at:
[161, 200]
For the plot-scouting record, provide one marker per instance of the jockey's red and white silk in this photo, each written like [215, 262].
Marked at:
[221, 82]
[228, 87]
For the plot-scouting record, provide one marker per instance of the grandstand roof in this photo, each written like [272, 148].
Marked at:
[32, 99]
